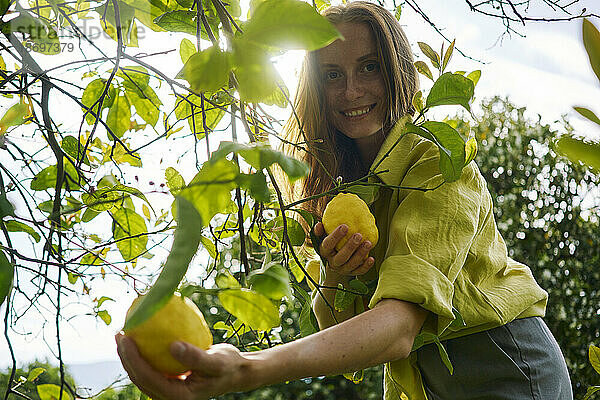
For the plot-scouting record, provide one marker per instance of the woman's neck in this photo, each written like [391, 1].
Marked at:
[368, 147]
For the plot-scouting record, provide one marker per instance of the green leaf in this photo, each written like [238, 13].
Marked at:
[589, 114]
[289, 24]
[458, 323]
[308, 321]
[119, 116]
[448, 55]
[147, 11]
[130, 232]
[185, 244]
[590, 392]
[451, 89]
[6, 207]
[256, 76]
[178, 21]
[16, 226]
[212, 114]
[45, 179]
[186, 49]
[127, 21]
[343, 299]
[398, 12]
[450, 143]
[14, 116]
[430, 53]
[580, 151]
[101, 200]
[209, 245]
[358, 286]
[105, 316]
[50, 391]
[366, 192]
[272, 280]
[92, 93]
[102, 300]
[591, 41]
[135, 79]
[207, 70]
[4, 5]
[251, 308]
[175, 181]
[107, 197]
[224, 280]
[210, 190]
[470, 150]
[72, 278]
[594, 354]
[417, 101]
[355, 377]
[145, 108]
[308, 217]
[256, 185]
[34, 373]
[423, 69]
[295, 231]
[474, 76]
[260, 156]
[7, 271]
[444, 355]
[94, 257]
[74, 148]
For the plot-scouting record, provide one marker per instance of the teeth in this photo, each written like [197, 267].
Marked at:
[356, 113]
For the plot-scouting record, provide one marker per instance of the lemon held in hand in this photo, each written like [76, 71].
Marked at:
[351, 210]
[178, 320]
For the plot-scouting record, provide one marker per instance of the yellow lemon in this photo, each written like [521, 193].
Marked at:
[313, 268]
[351, 210]
[178, 320]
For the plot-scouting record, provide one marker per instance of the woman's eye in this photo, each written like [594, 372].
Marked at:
[332, 75]
[371, 67]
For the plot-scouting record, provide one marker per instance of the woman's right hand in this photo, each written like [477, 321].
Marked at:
[352, 259]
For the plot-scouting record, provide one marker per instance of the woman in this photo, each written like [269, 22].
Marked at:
[439, 261]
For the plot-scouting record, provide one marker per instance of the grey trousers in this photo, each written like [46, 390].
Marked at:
[517, 361]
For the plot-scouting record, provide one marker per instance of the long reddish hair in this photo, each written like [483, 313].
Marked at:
[328, 152]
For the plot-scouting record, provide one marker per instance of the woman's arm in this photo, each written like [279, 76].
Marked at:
[382, 334]
[351, 260]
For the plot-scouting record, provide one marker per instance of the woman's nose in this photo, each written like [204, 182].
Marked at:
[354, 89]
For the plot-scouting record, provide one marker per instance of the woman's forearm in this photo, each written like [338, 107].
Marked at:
[382, 334]
[323, 303]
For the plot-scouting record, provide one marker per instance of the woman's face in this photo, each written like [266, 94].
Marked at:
[353, 82]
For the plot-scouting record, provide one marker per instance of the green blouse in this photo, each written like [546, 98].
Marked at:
[441, 249]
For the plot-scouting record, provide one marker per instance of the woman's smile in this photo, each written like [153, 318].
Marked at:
[355, 113]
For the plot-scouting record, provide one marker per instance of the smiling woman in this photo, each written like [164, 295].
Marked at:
[439, 275]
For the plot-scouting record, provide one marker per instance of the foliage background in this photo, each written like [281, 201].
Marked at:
[549, 236]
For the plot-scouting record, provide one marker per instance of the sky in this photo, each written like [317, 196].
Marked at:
[546, 71]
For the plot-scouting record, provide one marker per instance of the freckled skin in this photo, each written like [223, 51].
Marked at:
[353, 81]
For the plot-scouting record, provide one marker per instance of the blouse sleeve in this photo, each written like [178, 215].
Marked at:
[430, 233]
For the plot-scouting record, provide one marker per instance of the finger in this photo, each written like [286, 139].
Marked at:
[135, 365]
[319, 229]
[146, 378]
[328, 245]
[210, 363]
[345, 254]
[194, 358]
[364, 267]
[358, 257]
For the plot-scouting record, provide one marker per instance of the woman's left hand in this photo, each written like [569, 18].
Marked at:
[215, 371]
